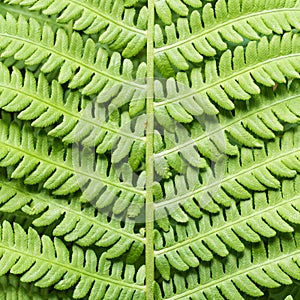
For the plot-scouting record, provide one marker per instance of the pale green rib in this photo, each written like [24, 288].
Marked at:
[150, 268]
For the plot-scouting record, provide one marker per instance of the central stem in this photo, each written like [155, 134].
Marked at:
[149, 155]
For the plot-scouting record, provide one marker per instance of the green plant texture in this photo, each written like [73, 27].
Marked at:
[150, 149]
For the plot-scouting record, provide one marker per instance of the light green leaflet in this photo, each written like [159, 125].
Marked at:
[150, 149]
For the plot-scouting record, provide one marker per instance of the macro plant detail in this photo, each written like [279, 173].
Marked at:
[149, 149]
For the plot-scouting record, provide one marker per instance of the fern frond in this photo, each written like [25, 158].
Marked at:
[150, 149]
[118, 27]
[59, 169]
[273, 264]
[254, 122]
[73, 118]
[203, 34]
[50, 263]
[76, 223]
[235, 178]
[81, 63]
[262, 217]
[236, 76]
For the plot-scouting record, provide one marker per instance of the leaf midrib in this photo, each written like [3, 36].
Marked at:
[149, 162]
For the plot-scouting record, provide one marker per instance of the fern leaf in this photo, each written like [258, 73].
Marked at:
[204, 33]
[77, 121]
[255, 121]
[241, 276]
[216, 235]
[261, 61]
[61, 171]
[235, 178]
[119, 27]
[49, 265]
[118, 184]
[79, 63]
[74, 222]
